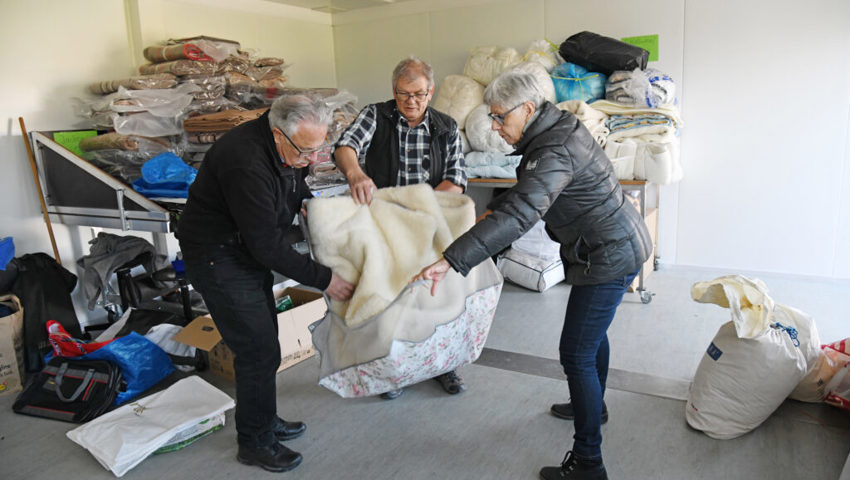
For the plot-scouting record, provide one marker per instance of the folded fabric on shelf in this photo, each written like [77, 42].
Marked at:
[141, 82]
[179, 67]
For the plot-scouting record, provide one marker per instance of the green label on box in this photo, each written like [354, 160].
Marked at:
[646, 42]
[71, 140]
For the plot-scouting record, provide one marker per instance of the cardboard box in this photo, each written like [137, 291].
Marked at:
[11, 345]
[296, 342]
[651, 220]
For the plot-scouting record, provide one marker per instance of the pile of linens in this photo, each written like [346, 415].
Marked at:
[629, 109]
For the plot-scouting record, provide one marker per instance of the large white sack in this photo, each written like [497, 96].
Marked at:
[542, 52]
[540, 74]
[486, 63]
[457, 96]
[740, 381]
[752, 364]
[481, 137]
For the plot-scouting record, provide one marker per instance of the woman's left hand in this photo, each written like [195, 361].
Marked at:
[434, 272]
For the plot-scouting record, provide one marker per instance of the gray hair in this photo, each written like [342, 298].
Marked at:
[290, 111]
[410, 68]
[513, 88]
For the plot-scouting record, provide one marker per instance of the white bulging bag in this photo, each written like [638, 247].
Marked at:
[750, 367]
[481, 137]
[457, 96]
[486, 63]
[543, 78]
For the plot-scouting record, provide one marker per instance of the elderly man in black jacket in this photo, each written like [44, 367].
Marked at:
[564, 178]
[231, 233]
[404, 142]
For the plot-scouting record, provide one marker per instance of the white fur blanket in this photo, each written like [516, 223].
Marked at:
[381, 246]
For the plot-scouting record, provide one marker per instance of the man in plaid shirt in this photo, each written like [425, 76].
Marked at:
[404, 142]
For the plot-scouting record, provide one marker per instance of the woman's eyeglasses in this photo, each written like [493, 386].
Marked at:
[500, 119]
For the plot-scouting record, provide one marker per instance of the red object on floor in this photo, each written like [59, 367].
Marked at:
[64, 345]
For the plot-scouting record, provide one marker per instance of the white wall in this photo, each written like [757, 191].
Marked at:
[51, 50]
[767, 173]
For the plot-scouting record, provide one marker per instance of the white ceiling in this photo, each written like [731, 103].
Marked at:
[336, 6]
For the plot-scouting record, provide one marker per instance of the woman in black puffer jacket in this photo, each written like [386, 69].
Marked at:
[565, 179]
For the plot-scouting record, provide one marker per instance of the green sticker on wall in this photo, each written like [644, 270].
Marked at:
[646, 42]
[71, 140]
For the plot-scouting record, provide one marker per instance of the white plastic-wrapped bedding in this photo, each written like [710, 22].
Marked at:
[543, 52]
[481, 137]
[486, 63]
[543, 78]
[457, 96]
[538, 274]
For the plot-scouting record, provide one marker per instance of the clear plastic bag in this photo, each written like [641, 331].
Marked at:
[167, 102]
[644, 88]
[344, 113]
[543, 52]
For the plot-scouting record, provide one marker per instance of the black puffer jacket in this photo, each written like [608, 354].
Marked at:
[565, 179]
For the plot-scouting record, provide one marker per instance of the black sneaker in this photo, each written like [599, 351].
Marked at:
[574, 469]
[392, 394]
[284, 430]
[451, 383]
[274, 458]
[565, 411]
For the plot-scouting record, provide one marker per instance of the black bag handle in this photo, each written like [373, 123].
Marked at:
[76, 394]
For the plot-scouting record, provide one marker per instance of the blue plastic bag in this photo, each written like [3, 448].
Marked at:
[574, 82]
[165, 175]
[143, 363]
[7, 252]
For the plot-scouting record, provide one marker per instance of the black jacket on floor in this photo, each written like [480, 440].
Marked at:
[44, 288]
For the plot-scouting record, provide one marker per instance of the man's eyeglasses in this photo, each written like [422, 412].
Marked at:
[303, 154]
[500, 119]
[418, 96]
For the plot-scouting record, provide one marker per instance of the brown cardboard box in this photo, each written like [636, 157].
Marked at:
[296, 342]
[651, 220]
[11, 345]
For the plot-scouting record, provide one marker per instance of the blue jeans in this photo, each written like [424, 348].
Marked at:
[238, 293]
[584, 356]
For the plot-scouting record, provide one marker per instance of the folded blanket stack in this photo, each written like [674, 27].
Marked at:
[643, 142]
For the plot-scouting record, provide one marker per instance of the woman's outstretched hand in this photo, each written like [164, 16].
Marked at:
[434, 272]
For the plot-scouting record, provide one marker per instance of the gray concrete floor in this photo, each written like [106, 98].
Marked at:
[500, 427]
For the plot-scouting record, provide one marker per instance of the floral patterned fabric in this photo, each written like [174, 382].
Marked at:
[452, 345]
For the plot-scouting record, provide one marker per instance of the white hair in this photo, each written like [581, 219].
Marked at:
[513, 88]
[290, 111]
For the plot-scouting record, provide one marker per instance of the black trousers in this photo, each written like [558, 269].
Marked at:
[238, 293]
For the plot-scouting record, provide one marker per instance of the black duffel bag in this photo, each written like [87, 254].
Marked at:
[71, 390]
[602, 54]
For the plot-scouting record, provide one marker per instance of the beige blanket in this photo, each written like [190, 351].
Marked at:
[380, 247]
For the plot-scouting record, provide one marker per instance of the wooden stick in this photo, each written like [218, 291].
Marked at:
[40, 191]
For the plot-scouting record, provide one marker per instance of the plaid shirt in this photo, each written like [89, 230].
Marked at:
[413, 144]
